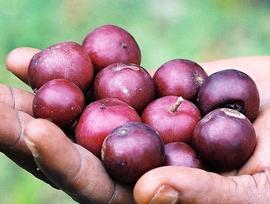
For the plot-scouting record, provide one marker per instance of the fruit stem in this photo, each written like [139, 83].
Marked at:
[177, 104]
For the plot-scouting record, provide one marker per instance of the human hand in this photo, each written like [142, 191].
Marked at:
[249, 184]
[44, 150]
[92, 184]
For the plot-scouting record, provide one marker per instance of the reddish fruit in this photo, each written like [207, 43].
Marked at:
[224, 139]
[110, 44]
[127, 82]
[181, 154]
[59, 100]
[179, 77]
[67, 60]
[99, 119]
[230, 89]
[131, 150]
[173, 117]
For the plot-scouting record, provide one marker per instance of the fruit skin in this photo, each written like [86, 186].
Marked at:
[181, 154]
[131, 150]
[66, 60]
[231, 89]
[110, 44]
[224, 139]
[60, 101]
[173, 125]
[99, 119]
[179, 77]
[127, 82]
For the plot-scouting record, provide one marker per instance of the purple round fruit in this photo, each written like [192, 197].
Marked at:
[110, 44]
[127, 82]
[181, 154]
[173, 117]
[67, 60]
[179, 77]
[99, 119]
[131, 150]
[224, 139]
[230, 89]
[60, 101]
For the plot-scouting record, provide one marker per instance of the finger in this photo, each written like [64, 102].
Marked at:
[11, 142]
[18, 61]
[16, 98]
[246, 64]
[71, 167]
[190, 185]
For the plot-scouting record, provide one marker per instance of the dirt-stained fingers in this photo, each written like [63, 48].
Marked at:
[11, 139]
[16, 98]
[171, 185]
[71, 167]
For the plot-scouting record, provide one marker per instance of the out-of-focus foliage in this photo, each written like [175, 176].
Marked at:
[164, 29]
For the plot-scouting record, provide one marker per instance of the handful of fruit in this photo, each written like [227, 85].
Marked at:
[134, 122]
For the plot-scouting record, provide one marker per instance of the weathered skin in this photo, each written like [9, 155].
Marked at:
[248, 184]
[17, 143]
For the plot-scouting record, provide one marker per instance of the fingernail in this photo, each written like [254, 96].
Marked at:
[31, 146]
[165, 194]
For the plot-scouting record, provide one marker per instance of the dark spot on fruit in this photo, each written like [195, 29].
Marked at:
[102, 106]
[124, 45]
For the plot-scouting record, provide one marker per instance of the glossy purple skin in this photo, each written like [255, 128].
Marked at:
[229, 88]
[127, 82]
[179, 77]
[67, 60]
[60, 101]
[110, 44]
[99, 119]
[131, 150]
[173, 126]
[181, 154]
[224, 139]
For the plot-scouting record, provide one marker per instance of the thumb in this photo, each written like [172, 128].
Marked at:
[190, 185]
[18, 61]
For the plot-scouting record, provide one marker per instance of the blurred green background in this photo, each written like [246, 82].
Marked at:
[164, 29]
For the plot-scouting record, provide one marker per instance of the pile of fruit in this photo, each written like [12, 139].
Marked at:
[134, 122]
